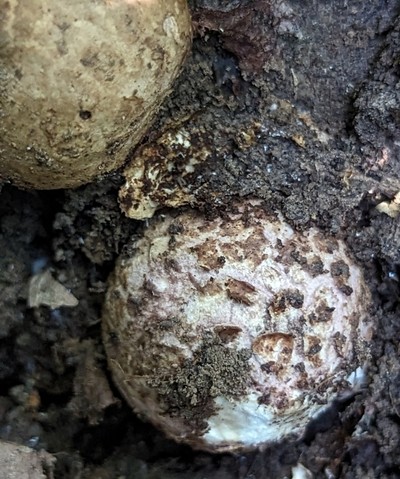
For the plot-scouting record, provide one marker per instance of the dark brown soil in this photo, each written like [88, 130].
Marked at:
[300, 102]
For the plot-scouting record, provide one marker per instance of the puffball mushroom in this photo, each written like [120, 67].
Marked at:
[234, 332]
[80, 83]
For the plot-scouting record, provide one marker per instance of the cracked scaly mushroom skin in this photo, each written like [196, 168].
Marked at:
[234, 332]
[80, 83]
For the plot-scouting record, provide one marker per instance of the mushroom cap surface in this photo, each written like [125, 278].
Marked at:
[235, 332]
[80, 83]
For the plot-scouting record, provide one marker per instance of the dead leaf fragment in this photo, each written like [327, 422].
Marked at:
[299, 140]
[92, 393]
[390, 208]
[45, 290]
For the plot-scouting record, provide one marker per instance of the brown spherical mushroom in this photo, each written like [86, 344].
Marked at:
[80, 83]
[235, 332]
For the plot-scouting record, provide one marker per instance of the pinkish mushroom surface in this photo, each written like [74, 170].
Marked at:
[234, 332]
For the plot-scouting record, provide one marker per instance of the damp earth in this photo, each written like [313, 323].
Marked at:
[293, 102]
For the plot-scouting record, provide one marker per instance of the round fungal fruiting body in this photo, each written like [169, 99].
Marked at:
[80, 83]
[234, 332]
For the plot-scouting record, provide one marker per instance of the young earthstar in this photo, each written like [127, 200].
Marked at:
[232, 333]
[80, 83]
